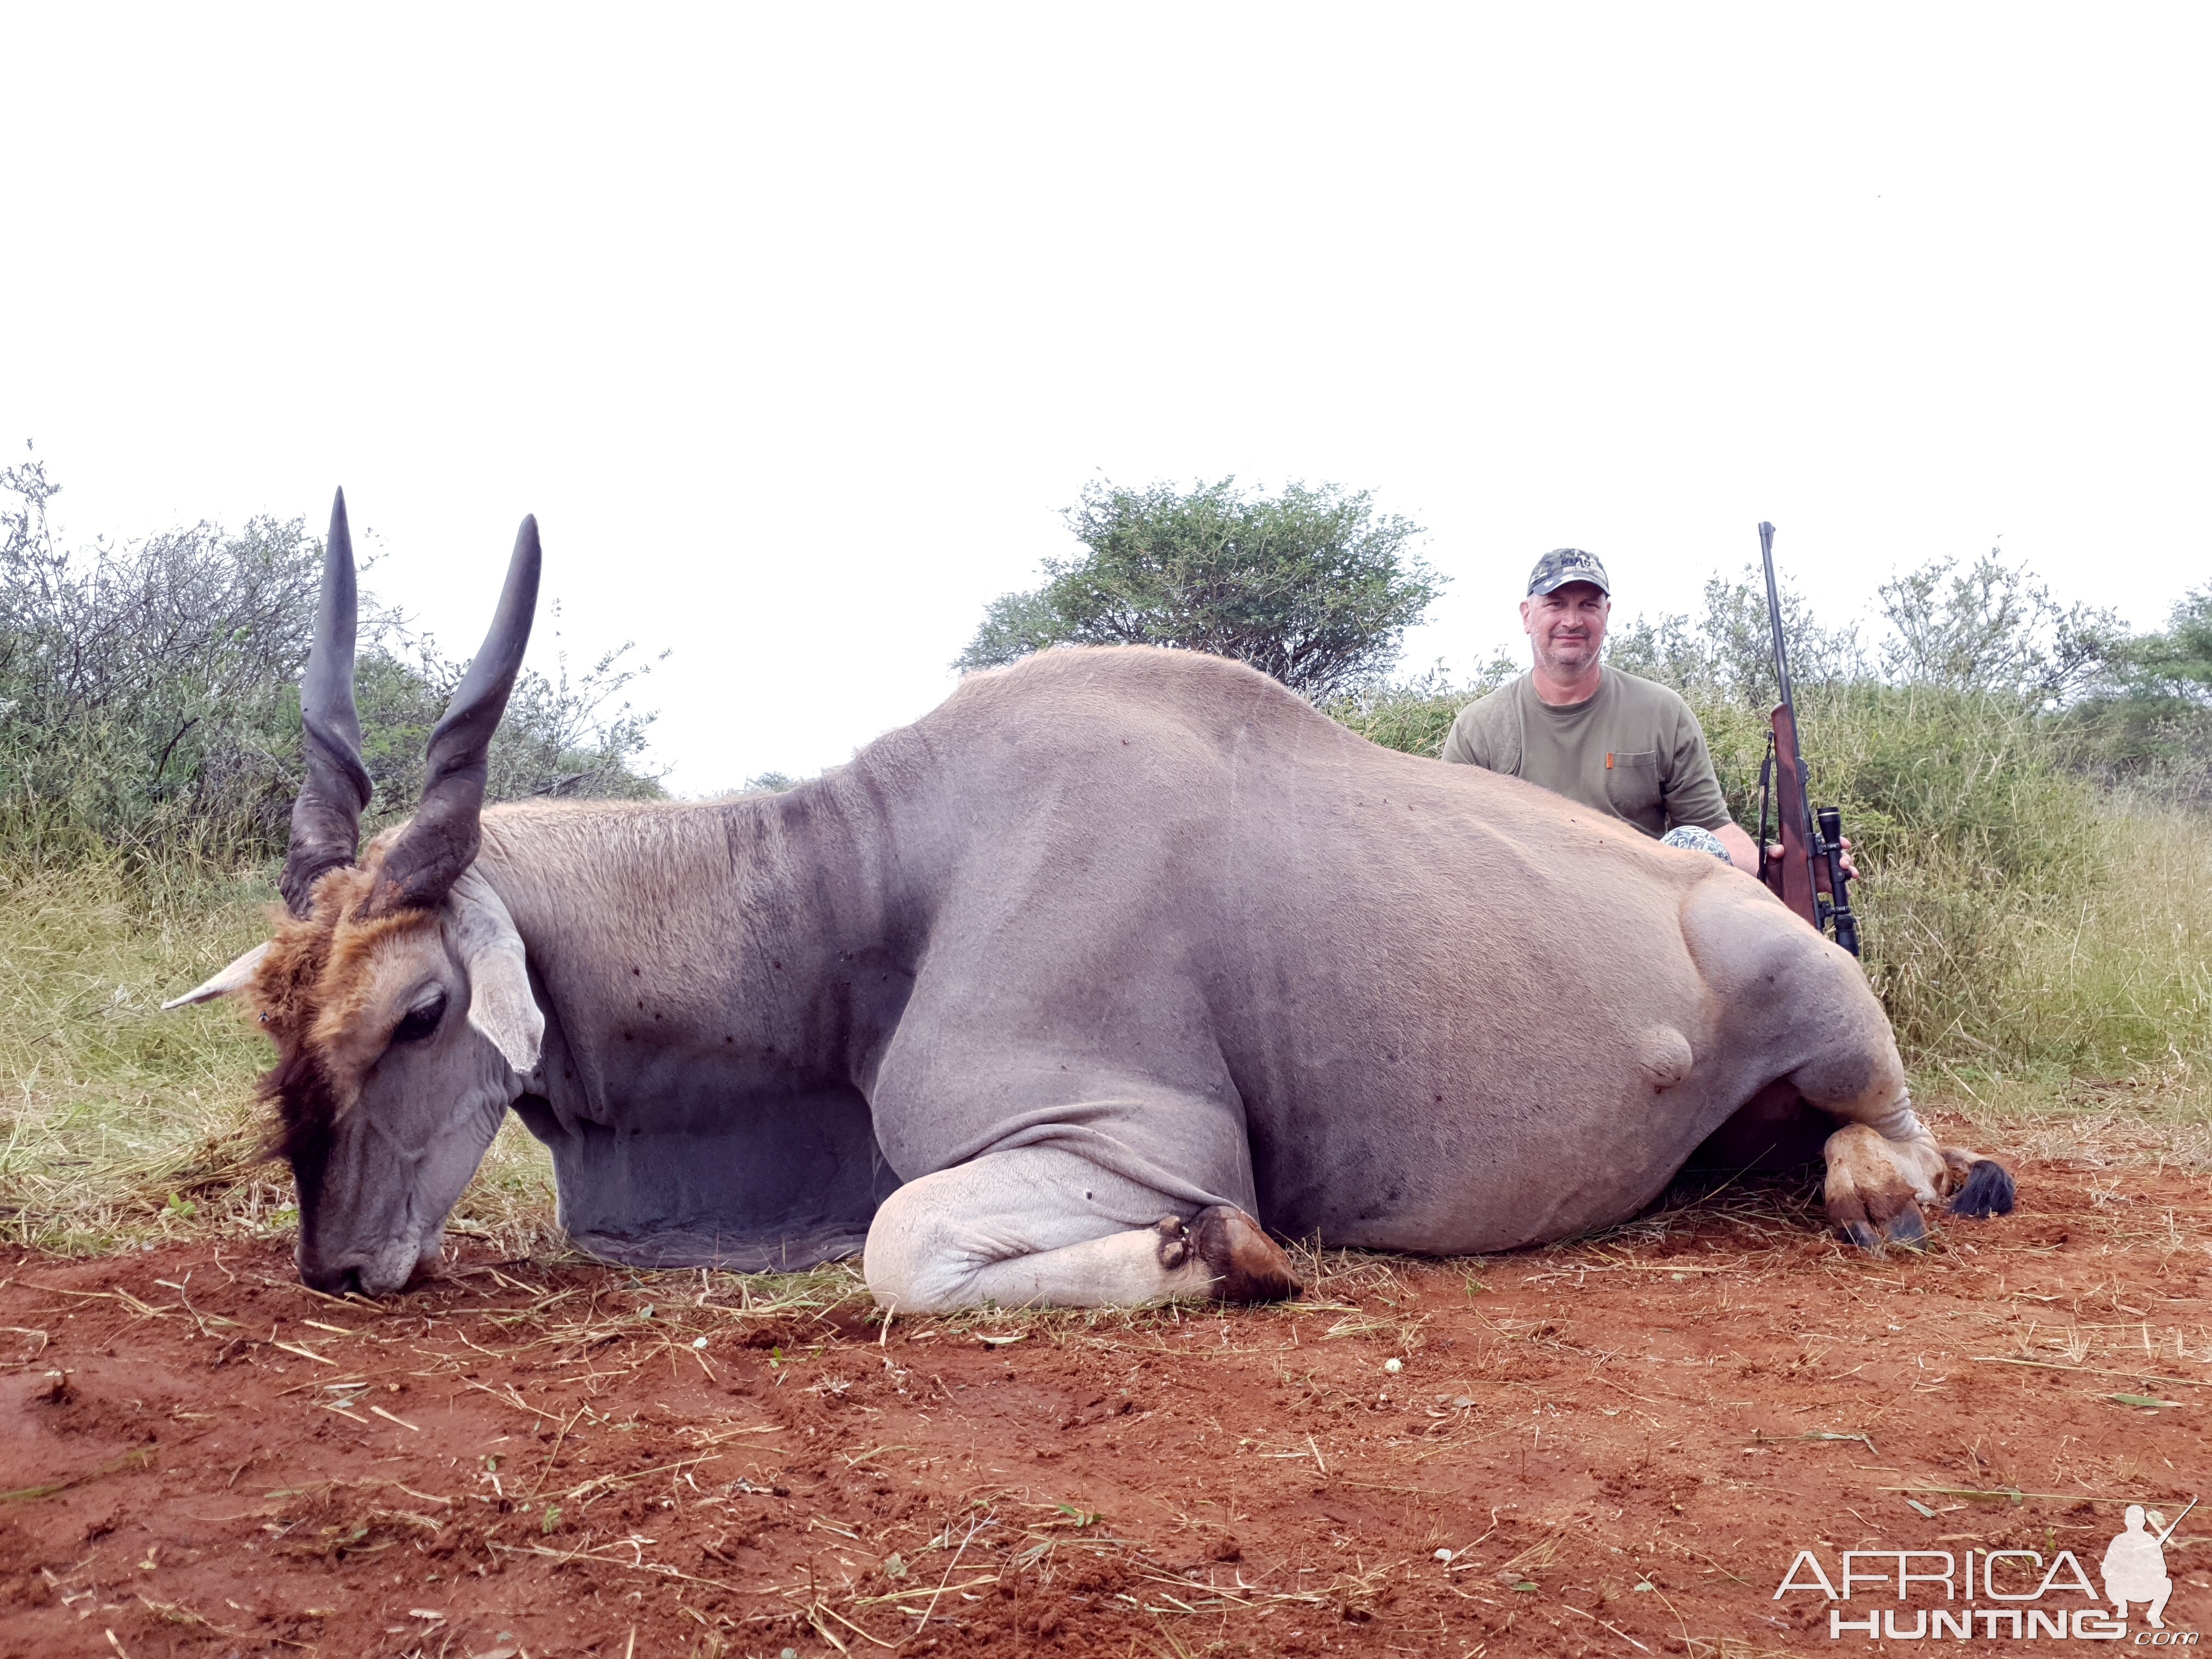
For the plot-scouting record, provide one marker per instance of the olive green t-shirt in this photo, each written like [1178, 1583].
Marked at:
[1634, 750]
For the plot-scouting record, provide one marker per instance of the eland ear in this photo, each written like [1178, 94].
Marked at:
[235, 977]
[500, 1003]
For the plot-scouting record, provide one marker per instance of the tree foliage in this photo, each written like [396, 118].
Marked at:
[1312, 585]
[2177, 664]
[1728, 651]
[1993, 626]
[149, 700]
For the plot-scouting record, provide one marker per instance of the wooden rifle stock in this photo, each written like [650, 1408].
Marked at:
[1791, 876]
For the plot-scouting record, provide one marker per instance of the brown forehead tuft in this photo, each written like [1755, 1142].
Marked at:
[317, 974]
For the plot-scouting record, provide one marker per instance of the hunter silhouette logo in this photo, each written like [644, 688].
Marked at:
[2134, 1565]
[2012, 1594]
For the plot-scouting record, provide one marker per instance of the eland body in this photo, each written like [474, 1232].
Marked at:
[1070, 992]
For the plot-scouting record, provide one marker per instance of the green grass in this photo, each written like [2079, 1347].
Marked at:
[2099, 975]
[109, 1103]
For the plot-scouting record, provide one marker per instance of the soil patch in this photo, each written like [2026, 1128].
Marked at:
[1610, 1447]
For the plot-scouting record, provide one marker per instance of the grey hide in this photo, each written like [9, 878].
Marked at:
[1149, 906]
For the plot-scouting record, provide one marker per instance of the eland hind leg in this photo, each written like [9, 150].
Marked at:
[1886, 1173]
[1042, 1227]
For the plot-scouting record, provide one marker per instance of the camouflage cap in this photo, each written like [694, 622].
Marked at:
[1563, 565]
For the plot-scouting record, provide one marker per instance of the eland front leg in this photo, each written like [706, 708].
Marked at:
[1886, 1173]
[1041, 1227]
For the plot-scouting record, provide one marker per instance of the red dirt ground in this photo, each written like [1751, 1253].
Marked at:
[1622, 1443]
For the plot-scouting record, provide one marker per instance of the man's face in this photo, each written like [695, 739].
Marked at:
[1566, 626]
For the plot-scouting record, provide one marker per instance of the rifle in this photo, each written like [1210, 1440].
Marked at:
[1809, 875]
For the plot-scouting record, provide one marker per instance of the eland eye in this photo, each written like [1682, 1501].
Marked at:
[421, 1021]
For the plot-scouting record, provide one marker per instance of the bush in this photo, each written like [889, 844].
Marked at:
[1973, 838]
[1415, 715]
[149, 704]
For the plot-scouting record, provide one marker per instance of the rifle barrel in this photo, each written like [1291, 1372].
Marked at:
[1774, 609]
[2176, 1527]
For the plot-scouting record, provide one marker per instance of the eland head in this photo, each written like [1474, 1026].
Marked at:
[395, 989]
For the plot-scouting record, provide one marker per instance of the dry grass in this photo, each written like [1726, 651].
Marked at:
[526, 1324]
[2157, 1113]
[806, 1323]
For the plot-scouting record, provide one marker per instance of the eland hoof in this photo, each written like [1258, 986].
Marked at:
[1247, 1265]
[1907, 1229]
[1865, 1238]
[1989, 1191]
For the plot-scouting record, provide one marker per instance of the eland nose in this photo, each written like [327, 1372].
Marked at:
[330, 1281]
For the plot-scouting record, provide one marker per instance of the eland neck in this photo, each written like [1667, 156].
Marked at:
[765, 936]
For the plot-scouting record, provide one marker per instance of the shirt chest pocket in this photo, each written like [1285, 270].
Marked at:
[1631, 783]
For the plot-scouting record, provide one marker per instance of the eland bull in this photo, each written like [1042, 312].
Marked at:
[1072, 992]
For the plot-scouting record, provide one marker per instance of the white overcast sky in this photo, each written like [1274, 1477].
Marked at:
[795, 326]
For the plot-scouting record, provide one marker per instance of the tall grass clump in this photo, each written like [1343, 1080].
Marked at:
[118, 1121]
[2025, 796]
[105, 1095]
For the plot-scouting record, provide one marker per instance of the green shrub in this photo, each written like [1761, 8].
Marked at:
[149, 704]
[1415, 715]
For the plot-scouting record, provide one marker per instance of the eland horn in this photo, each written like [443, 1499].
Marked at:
[441, 842]
[326, 816]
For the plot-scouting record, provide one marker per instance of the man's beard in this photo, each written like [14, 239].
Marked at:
[1585, 654]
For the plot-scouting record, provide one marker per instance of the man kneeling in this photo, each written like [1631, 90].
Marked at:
[1616, 743]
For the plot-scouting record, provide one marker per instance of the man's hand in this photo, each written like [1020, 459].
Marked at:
[1743, 852]
[1774, 851]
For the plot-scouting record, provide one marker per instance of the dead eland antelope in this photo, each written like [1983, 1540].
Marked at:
[1063, 994]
